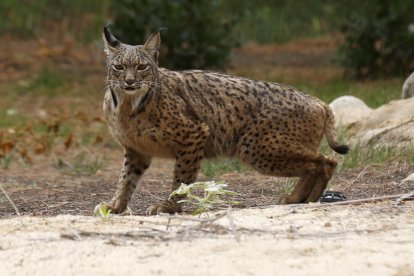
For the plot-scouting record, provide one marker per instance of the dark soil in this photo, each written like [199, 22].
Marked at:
[49, 192]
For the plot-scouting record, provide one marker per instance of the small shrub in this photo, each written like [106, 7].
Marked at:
[102, 211]
[211, 199]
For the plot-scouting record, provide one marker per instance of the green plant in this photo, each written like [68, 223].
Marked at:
[211, 195]
[363, 155]
[102, 211]
[197, 37]
[378, 40]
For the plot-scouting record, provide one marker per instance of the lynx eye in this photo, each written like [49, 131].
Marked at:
[142, 67]
[118, 67]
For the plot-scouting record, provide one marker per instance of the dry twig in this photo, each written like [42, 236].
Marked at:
[11, 202]
[400, 197]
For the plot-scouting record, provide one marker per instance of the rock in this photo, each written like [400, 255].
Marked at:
[408, 87]
[409, 178]
[391, 124]
[348, 110]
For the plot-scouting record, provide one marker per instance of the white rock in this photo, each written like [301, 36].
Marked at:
[348, 110]
[408, 87]
[409, 178]
[392, 123]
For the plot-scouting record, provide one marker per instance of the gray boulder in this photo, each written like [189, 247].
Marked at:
[390, 124]
[408, 87]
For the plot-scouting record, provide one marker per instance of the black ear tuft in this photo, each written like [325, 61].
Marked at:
[161, 29]
[110, 39]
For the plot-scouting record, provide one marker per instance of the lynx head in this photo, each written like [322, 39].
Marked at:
[132, 69]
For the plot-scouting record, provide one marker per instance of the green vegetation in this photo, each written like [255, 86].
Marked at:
[378, 39]
[82, 164]
[196, 37]
[362, 156]
[212, 193]
[263, 21]
[6, 160]
[215, 168]
[47, 83]
[287, 186]
[30, 18]
[103, 212]
[374, 93]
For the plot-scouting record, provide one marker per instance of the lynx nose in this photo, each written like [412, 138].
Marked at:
[130, 81]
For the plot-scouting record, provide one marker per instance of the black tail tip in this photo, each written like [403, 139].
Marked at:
[342, 149]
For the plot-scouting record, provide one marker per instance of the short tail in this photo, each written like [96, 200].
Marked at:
[330, 133]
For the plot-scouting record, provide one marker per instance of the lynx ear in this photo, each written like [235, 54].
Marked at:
[153, 44]
[111, 43]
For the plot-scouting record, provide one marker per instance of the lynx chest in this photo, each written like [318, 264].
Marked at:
[135, 133]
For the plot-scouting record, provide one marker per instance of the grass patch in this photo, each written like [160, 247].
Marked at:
[10, 118]
[82, 164]
[48, 82]
[374, 93]
[215, 168]
[361, 156]
[287, 186]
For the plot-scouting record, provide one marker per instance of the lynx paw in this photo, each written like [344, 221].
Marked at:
[285, 199]
[166, 206]
[117, 208]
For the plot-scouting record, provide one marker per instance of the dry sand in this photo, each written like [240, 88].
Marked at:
[368, 239]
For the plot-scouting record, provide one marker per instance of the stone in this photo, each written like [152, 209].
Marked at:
[348, 110]
[408, 87]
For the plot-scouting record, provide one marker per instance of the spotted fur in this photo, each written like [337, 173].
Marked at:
[192, 115]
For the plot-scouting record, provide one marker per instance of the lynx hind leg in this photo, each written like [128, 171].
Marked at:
[133, 168]
[311, 186]
[328, 167]
[291, 160]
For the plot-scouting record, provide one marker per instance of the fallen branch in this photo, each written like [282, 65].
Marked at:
[11, 202]
[201, 220]
[400, 197]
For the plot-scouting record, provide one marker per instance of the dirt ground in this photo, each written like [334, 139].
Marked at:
[314, 239]
[59, 233]
[47, 191]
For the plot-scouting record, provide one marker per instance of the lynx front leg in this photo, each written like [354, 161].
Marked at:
[186, 170]
[133, 168]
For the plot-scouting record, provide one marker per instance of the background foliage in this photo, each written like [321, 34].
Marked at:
[196, 37]
[379, 39]
[201, 34]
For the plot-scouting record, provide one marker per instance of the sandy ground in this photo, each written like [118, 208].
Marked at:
[315, 239]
